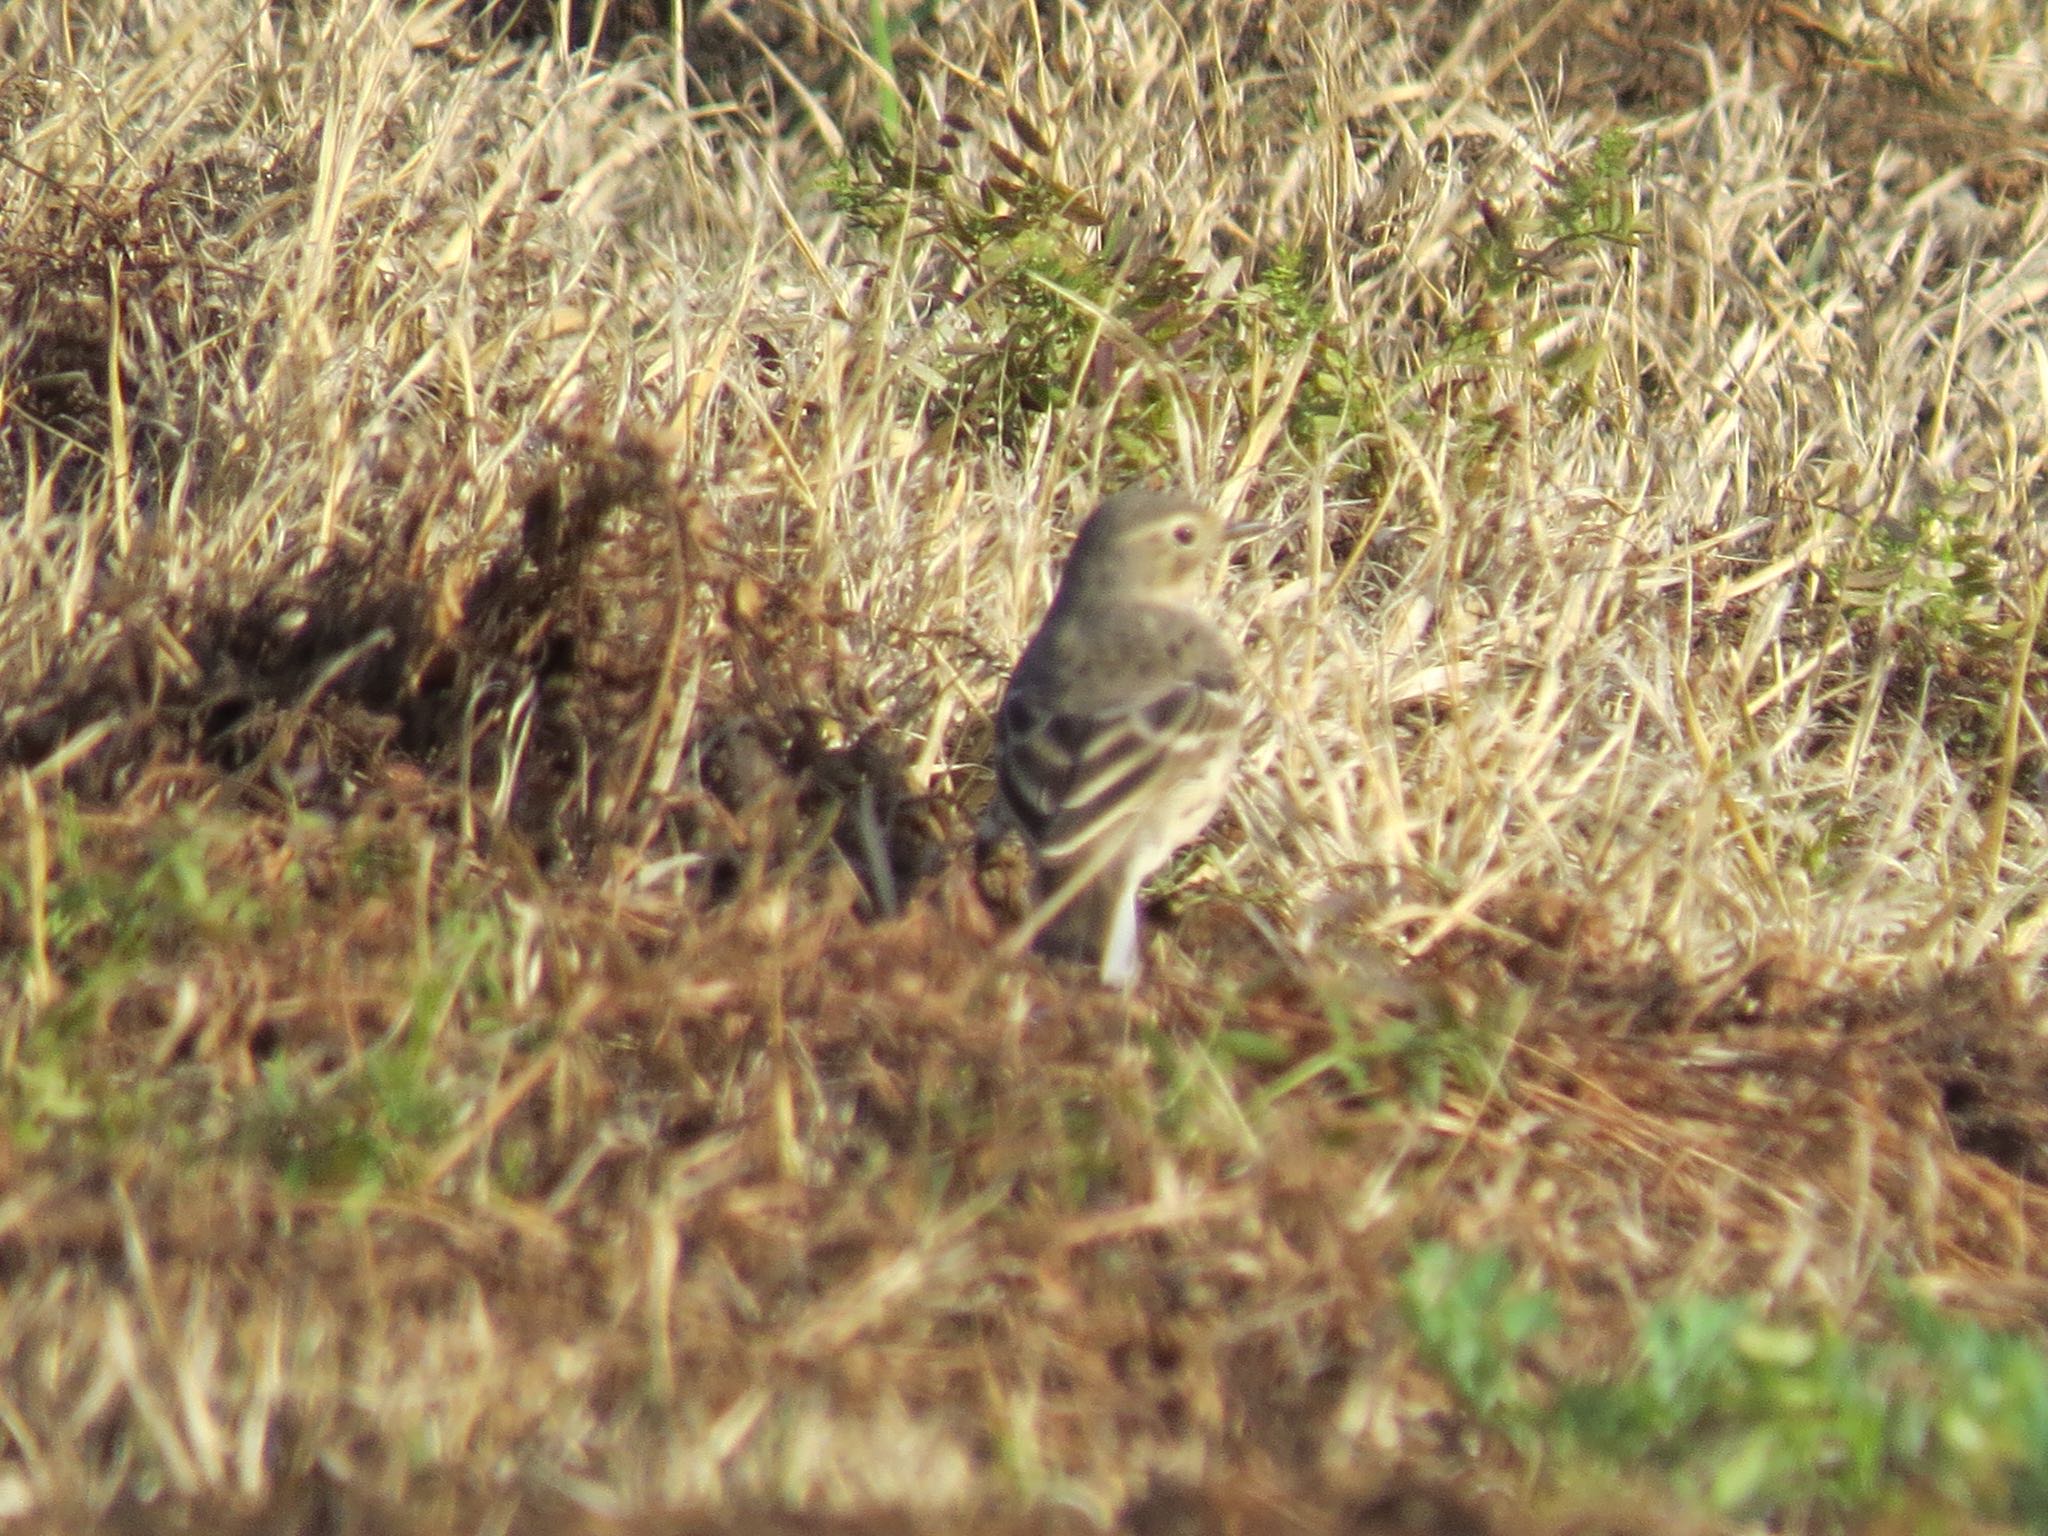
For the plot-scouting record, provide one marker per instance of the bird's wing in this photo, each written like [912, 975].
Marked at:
[1075, 777]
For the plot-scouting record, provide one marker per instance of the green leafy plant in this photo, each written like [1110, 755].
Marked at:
[1027, 298]
[1339, 399]
[1933, 571]
[1473, 1320]
[1933, 585]
[1754, 1417]
[1375, 1055]
[353, 1131]
[1591, 203]
[186, 892]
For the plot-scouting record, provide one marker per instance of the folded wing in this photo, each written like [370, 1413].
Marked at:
[1079, 781]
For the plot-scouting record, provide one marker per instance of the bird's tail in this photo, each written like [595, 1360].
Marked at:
[1097, 927]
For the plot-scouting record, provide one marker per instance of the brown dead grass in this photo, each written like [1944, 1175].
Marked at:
[489, 533]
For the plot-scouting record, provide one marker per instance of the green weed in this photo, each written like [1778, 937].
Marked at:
[1376, 1056]
[1592, 203]
[1754, 1418]
[1002, 263]
[1934, 572]
[1473, 1319]
[1933, 586]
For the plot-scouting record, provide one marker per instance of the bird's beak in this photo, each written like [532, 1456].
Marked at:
[1237, 533]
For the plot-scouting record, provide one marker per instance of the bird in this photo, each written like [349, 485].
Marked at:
[1118, 732]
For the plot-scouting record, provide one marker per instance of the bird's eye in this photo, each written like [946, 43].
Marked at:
[1183, 534]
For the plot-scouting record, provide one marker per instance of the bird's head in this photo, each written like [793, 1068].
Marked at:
[1157, 545]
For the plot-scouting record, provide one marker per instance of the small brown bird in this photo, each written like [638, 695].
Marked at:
[1119, 730]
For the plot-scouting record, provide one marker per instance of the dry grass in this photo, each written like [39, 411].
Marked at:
[502, 578]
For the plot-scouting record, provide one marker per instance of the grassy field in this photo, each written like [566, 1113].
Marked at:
[507, 552]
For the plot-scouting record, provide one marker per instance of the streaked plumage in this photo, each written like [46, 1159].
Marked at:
[1119, 730]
